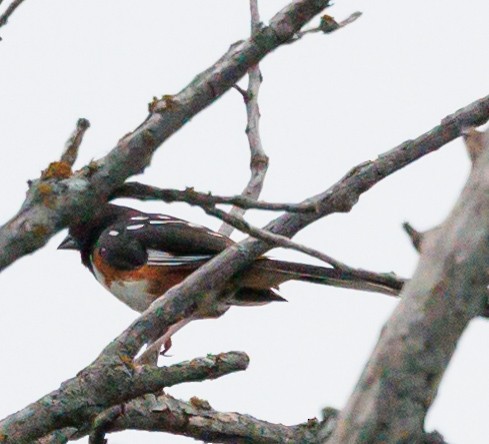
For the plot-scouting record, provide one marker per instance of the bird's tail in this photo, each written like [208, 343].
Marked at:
[269, 273]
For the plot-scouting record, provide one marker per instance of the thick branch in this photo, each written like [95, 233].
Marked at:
[200, 421]
[448, 289]
[197, 419]
[50, 205]
[109, 381]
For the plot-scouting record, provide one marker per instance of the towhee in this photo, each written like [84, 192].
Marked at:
[139, 256]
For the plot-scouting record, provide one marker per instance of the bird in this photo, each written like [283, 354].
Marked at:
[139, 256]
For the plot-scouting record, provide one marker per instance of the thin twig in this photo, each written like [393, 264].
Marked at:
[70, 152]
[136, 190]
[259, 159]
[197, 419]
[415, 236]
[328, 25]
[9, 11]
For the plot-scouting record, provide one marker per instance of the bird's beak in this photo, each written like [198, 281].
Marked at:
[69, 243]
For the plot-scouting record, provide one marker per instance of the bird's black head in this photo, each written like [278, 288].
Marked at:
[85, 230]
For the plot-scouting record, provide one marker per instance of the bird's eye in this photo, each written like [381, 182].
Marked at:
[103, 250]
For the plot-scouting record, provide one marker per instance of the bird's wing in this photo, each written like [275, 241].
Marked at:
[175, 236]
[157, 239]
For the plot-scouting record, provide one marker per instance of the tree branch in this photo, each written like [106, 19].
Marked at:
[136, 190]
[9, 11]
[259, 159]
[72, 145]
[448, 289]
[328, 25]
[200, 421]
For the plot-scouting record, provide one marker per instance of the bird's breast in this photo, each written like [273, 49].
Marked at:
[138, 287]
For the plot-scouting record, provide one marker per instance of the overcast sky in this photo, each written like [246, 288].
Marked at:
[328, 103]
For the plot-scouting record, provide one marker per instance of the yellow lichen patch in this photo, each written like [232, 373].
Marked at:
[57, 170]
[169, 101]
[45, 191]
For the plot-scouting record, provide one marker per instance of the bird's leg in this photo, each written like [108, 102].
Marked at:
[150, 355]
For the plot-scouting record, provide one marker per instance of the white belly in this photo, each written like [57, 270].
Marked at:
[132, 293]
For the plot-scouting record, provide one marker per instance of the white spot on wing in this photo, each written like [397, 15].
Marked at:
[162, 216]
[134, 227]
[139, 218]
[158, 257]
[167, 221]
[113, 233]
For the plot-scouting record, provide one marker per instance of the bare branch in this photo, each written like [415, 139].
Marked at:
[9, 11]
[200, 421]
[136, 190]
[350, 19]
[259, 159]
[255, 17]
[415, 236]
[70, 152]
[88, 395]
[328, 25]
[50, 204]
[448, 289]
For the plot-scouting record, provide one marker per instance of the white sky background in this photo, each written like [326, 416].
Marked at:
[328, 103]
